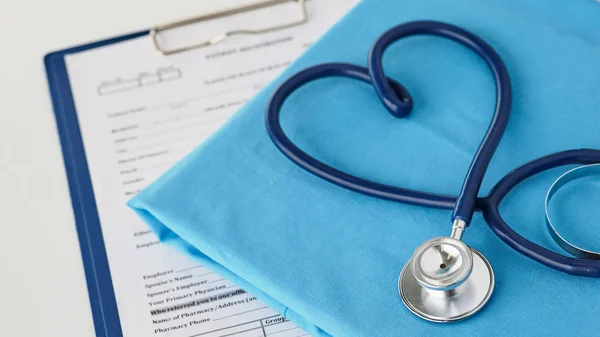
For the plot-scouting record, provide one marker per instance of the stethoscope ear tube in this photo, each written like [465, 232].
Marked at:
[490, 210]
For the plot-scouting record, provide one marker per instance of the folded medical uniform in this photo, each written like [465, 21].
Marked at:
[328, 258]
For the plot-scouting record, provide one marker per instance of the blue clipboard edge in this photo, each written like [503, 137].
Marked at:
[97, 273]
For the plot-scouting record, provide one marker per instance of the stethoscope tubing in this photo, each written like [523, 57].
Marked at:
[398, 102]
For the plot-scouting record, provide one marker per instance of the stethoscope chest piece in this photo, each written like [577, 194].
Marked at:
[445, 280]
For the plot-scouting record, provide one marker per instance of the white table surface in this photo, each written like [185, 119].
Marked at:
[42, 286]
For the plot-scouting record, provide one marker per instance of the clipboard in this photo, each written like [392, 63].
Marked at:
[96, 266]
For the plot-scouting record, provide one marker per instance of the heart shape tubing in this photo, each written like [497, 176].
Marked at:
[398, 101]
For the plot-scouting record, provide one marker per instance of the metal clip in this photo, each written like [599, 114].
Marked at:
[220, 37]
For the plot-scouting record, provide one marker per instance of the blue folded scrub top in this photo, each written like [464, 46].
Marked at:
[328, 258]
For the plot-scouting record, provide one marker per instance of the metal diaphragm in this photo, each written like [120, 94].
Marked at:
[445, 280]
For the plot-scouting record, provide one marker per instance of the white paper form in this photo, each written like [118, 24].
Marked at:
[139, 113]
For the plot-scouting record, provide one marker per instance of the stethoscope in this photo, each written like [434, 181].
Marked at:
[446, 280]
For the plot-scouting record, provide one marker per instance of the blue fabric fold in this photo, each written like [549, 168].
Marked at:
[329, 258]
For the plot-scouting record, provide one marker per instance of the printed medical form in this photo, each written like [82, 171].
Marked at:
[139, 113]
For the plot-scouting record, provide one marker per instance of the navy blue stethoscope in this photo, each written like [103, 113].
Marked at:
[445, 280]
